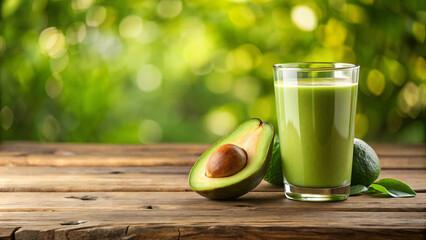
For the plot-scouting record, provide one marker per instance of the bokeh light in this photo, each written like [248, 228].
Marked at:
[151, 32]
[376, 82]
[247, 89]
[242, 16]
[169, 8]
[2, 44]
[76, 33]
[50, 128]
[220, 122]
[419, 31]
[53, 42]
[9, 7]
[53, 87]
[219, 83]
[81, 4]
[96, 16]
[150, 131]
[361, 125]
[131, 26]
[334, 33]
[6, 116]
[149, 78]
[304, 18]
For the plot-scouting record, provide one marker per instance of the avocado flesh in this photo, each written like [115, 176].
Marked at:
[256, 138]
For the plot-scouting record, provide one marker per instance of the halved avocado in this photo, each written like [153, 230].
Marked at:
[255, 138]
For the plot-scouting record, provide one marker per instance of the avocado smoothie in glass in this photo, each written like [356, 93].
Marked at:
[316, 105]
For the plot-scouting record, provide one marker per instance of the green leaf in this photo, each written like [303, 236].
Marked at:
[357, 189]
[393, 187]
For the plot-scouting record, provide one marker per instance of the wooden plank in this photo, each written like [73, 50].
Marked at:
[400, 149]
[92, 155]
[119, 161]
[128, 179]
[55, 154]
[189, 201]
[34, 234]
[98, 161]
[244, 232]
[225, 231]
[251, 218]
[103, 232]
[164, 232]
[51, 179]
[402, 162]
[7, 233]
[384, 149]
[62, 232]
[87, 149]
[63, 155]
[411, 162]
[147, 231]
[204, 231]
[92, 231]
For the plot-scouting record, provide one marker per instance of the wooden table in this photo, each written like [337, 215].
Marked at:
[94, 191]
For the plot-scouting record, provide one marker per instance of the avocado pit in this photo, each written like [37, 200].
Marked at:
[225, 161]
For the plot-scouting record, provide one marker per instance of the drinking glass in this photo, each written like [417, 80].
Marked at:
[316, 105]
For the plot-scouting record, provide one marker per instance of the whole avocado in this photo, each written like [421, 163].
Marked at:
[274, 174]
[366, 164]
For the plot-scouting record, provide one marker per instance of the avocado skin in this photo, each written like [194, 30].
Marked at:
[240, 188]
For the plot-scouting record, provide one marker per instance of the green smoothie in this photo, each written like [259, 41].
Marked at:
[316, 121]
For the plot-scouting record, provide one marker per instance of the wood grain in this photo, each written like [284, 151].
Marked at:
[383, 149]
[189, 201]
[147, 231]
[387, 162]
[127, 179]
[205, 231]
[403, 162]
[274, 217]
[264, 218]
[242, 232]
[67, 155]
[7, 233]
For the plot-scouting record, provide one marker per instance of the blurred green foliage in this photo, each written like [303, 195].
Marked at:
[189, 71]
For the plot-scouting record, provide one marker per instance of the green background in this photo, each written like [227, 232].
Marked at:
[190, 71]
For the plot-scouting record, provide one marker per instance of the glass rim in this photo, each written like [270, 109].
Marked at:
[337, 66]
